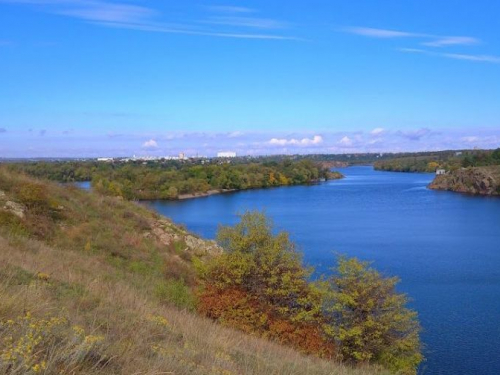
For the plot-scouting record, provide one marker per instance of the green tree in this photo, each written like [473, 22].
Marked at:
[369, 320]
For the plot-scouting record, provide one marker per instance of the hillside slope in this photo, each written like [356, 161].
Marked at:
[93, 284]
[473, 180]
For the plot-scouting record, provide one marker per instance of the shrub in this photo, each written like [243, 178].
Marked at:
[33, 345]
[259, 285]
[33, 196]
[368, 319]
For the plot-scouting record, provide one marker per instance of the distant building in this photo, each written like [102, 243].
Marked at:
[440, 172]
[105, 159]
[458, 153]
[228, 154]
[182, 156]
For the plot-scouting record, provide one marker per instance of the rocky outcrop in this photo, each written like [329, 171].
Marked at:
[11, 206]
[477, 181]
[170, 234]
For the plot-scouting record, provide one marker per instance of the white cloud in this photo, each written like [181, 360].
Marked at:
[230, 9]
[429, 40]
[377, 131]
[456, 56]
[150, 145]
[433, 40]
[470, 139]
[235, 134]
[478, 58]
[381, 33]
[453, 41]
[346, 141]
[123, 15]
[316, 140]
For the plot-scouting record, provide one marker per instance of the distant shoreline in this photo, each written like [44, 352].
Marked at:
[207, 194]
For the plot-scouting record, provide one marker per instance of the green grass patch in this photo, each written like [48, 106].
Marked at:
[177, 293]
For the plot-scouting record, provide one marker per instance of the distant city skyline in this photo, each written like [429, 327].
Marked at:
[90, 78]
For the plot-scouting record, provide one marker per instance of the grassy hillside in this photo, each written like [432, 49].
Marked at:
[93, 284]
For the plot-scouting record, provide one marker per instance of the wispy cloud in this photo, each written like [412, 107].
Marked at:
[3, 130]
[381, 33]
[230, 9]
[479, 58]
[432, 39]
[428, 40]
[377, 132]
[226, 21]
[456, 56]
[250, 22]
[452, 41]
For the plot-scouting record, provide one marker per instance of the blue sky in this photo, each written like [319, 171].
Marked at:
[109, 78]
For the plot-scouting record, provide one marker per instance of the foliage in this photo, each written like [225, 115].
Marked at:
[448, 160]
[171, 179]
[260, 286]
[368, 319]
[33, 345]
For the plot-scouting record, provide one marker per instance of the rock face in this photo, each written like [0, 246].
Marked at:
[477, 181]
[169, 234]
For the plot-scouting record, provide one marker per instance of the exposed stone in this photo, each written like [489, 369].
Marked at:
[15, 208]
[168, 234]
[478, 181]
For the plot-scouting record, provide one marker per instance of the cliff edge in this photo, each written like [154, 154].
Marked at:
[474, 180]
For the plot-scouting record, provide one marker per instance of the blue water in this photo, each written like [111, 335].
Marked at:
[85, 185]
[444, 246]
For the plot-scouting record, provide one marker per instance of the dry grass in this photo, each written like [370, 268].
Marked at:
[140, 336]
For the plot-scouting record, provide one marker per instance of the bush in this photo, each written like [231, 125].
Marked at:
[368, 320]
[259, 285]
[33, 196]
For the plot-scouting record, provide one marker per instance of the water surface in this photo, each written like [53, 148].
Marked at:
[444, 246]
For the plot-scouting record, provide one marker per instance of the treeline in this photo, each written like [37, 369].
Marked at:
[482, 159]
[170, 179]
[449, 161]
[260, 286]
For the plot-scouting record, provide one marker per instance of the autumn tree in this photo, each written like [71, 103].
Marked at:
[259, 285]
[368, 319]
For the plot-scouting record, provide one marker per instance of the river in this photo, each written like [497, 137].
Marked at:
[444, 246]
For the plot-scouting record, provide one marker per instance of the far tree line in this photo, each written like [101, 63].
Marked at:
[170, 179]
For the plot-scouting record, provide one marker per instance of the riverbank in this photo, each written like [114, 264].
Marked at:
[207, 194]
[475, 180]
